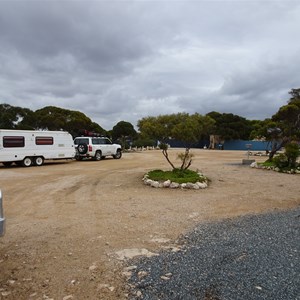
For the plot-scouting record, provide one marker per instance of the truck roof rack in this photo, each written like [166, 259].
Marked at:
[84, 132]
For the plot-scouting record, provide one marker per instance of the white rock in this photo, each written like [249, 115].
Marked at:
[167, 183]
[190, 185]
[68, 297]
[127, 274]
[174, 185]
[92, 267]
[4, 294]
[33, 295]
[165, 278]
[148, 181]
[253, 165]
[142, 274]
[202, 185]
[175, 249]
[131, 253]
[183, 185]
[193, 215]
[102, 286]
[130, 268]
[155, 184]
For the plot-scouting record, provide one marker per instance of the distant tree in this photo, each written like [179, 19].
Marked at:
[15, 117]
[259, 129]
[182, 126]
[123, 131]
[229, 126]
[47, 118]
[143, 142]
[55, 118]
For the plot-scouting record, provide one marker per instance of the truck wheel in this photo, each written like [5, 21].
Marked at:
[27, 162]
[38, 161]
[98, 155]
[82, 148]
[7, 164]
[118, 155]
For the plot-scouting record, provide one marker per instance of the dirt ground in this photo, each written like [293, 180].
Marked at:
[67, 220]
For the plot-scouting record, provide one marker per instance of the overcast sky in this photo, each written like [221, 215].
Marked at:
[125, 60]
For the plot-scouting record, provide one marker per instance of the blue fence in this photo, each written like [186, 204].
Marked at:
[243, 145]
[228, 145]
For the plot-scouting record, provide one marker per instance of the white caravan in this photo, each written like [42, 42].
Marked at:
[28, 147]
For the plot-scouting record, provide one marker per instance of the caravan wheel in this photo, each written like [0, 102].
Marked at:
[27, 162]
[38, 161]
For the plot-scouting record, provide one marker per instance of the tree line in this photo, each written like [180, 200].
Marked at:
[282, 127]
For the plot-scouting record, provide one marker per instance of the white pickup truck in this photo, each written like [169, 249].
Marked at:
[2, 219]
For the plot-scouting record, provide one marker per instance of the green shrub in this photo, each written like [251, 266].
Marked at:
[281, 161]
[288, 159]
[176, 175]
[292, 152]
[144, 143]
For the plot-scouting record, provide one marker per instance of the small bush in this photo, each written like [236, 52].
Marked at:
[287, 160]
[144, 143]
[292, 152]
[281, 161]
[176, 175]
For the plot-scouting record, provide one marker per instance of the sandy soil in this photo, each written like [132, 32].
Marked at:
[67, 220]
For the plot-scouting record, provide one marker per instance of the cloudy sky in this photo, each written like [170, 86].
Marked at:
[125, 60]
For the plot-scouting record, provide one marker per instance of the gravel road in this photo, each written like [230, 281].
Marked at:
[250, 257]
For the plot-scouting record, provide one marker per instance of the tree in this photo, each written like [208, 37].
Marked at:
[123, 130]
[55, 118]
[286, 123]
[230, 126]
[47, 118]
[14, 117]
[257, 129]
[182, 126]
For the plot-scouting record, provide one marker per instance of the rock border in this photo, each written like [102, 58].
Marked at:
[276, 169]
[174, 185]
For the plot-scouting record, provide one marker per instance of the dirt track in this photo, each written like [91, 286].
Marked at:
[67, 220]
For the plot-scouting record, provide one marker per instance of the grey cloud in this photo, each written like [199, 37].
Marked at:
[123, 60]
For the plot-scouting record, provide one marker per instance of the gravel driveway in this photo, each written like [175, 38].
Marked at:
[250, 257]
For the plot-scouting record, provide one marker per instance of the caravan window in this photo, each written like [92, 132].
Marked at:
[13, 141]
[43, 140]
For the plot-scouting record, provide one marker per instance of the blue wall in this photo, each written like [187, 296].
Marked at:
[228, 145]
[242, 145]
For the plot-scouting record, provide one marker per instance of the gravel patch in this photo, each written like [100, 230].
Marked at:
[251, 257]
